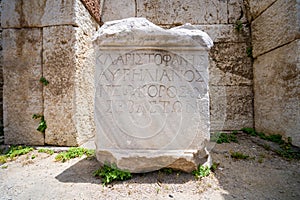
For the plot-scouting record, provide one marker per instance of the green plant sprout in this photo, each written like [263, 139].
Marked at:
[74, 152]
[48, 151]
[220, 138]
[15, 151]
[201, 172]
[109, 173]
[44, 81]
[238, 155]
[238, 25]
[42, 125]
[249, 52]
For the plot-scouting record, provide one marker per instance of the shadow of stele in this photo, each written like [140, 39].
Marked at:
[82, 172]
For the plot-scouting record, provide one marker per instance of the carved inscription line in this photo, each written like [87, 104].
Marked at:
[158, 58]
[127, 74]
[150, 107]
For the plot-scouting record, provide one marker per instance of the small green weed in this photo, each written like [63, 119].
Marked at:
[214, 166]
[110, 173]
[74, 152]
[33, 156]
[167, 170]
[277, 138]
[201, 171]
[250, 131]
[48, 151]
[3, 159]
[42, 125]
[238, 155]
[223, 138]
[15, 151]
[249, 52]
[44, 81]
[238, 26]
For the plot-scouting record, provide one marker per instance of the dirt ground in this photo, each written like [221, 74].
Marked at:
[264, 175]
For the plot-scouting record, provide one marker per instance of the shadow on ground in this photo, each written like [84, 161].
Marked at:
[82, 172]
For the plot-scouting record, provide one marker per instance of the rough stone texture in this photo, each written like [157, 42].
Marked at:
[258, 6]
[38, 13]
[84, 75]
[277, 92]
[231, 108]
[58, 68]
[115, 9]
[223, 33]
[1, 75]
[278, 25]
[22, 93]
[181, 12]
[69, 67]
[151, 104]
[236, 11]
[230, 65]
[93, 7]
[230, 83]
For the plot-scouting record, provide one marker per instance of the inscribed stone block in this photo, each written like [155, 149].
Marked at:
[152, 103]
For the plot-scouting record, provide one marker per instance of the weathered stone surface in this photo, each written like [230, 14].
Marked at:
[278, 25]
[40, 13]
[181, 12]
[259, 6]
[277, 93]
[84, 76]
[230, 65]
[59, 69]
[94, 8]
[69, 67]
[115, 9]
[22, 94]
[221, 33]
[231, 107]
[236, 11]
[151, 104]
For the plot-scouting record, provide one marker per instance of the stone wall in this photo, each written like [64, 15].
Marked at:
[50, 39]
[1, 79]
[276, 50]
[230, 69]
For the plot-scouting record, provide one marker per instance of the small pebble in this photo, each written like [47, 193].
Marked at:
[171, 196]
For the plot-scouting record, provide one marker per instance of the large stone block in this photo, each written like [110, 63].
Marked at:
[277, 92]
[278, 25]
[22, 95]
[115, 9]
[258, 6]
[39, 13]
[181, 12]
[151, 104]
[230, 65]
[59, 68]
[231, 107]
[84, 79]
